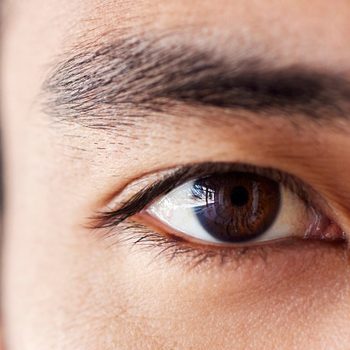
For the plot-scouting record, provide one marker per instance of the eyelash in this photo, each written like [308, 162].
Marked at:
[172, 246]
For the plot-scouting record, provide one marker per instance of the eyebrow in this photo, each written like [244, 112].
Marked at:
[132, 77]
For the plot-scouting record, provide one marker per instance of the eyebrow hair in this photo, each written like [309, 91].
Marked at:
[104, 86]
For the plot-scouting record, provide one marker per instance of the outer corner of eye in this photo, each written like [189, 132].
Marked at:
[236, 208]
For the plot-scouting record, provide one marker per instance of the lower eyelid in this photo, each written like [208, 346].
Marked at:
[287, 256]
[159, 230]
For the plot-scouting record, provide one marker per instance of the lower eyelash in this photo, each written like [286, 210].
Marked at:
[137, 236]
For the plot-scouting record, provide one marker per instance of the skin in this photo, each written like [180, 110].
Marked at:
[65, 286]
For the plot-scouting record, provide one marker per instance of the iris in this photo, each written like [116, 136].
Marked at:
[238, 206]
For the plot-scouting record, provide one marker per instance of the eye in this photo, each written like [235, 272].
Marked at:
[238, 208]
[223, 205]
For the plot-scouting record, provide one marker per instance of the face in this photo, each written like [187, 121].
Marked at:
[176, 174]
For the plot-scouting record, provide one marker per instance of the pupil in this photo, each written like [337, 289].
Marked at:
[239, 196]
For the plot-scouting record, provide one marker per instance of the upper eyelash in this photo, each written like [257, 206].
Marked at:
[178, 176]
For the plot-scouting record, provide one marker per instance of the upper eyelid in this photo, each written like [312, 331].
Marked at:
[171, 178]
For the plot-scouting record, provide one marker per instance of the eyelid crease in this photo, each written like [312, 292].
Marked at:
[113, 217]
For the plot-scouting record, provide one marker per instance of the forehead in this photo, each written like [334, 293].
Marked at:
[313, 31]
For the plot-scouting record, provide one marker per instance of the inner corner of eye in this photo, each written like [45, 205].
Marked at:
[324, 229]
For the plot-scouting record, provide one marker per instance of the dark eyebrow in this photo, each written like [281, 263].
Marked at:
[100, 87]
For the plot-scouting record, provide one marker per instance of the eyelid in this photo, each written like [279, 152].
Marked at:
[117, 211]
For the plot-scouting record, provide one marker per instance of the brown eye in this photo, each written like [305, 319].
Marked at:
[237, 206]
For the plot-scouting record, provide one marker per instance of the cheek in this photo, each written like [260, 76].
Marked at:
[88, 293]
[129, 296]
[302, 293]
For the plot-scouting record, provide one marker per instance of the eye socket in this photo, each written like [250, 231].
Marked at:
[238, 208]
